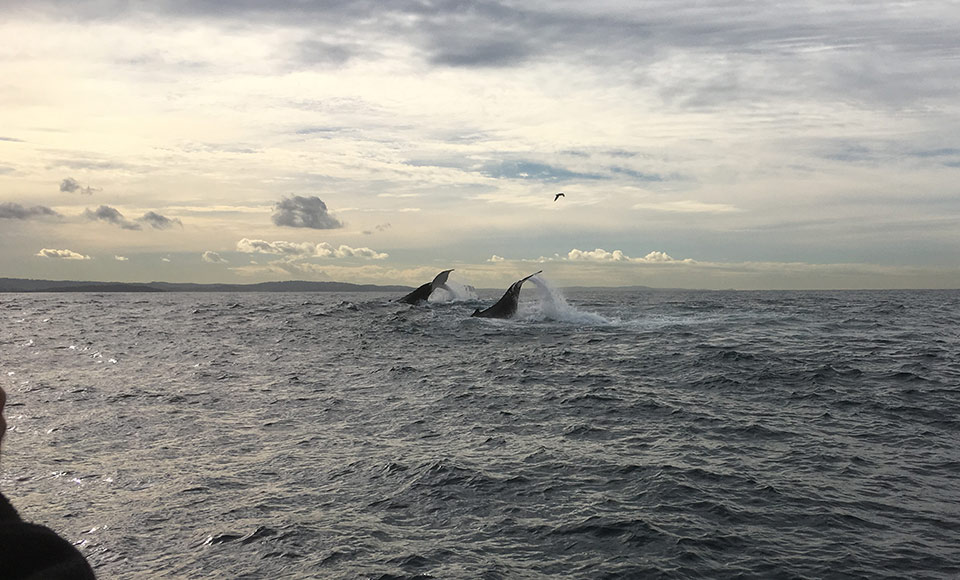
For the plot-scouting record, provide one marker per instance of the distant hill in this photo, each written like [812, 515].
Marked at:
[24, 285]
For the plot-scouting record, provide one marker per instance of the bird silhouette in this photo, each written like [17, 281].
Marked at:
[558, 196]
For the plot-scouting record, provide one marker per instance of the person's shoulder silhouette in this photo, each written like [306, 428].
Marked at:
[31, 551]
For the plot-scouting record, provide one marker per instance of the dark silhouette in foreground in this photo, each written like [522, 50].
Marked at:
[558, 196]
[31, 551]
[506, 307]
[422, 294]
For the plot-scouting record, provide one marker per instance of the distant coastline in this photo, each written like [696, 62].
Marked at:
[27, 285]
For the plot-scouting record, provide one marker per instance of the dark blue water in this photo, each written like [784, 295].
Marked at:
[613, 434]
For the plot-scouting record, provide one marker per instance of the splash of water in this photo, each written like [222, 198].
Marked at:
[553, 306]
[457, 293]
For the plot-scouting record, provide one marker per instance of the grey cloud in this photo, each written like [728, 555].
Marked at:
[15, 211]
[325, 53]
[108, 214]
[71, 185]
[304, 212]
[11, 139]
[158, 221]
[941, 152]
[480, 53]
[892, 54]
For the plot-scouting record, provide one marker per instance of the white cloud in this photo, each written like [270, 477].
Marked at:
[121, 258]
[660, 257]
[598, 255]
[300, 250]
[289, 249]
[165, 260]
[495, 258]
[213, 258]
[616, 256]
[325, 250]
[61, 254]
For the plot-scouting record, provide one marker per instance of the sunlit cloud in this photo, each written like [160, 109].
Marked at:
[598, 255]
[213, 258]
[601, 255]
[121, 258]
[299, 250]
[61, 254]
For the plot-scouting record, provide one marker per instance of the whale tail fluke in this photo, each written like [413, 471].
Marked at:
[506, 307]
[422, 294]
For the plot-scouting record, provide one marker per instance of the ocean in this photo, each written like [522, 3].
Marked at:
[602, 433]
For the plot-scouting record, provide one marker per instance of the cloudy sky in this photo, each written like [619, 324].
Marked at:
[721, 144]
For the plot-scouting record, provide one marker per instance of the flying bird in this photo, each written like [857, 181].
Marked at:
[558, 196]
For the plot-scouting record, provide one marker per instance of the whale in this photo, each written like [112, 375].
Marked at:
[422, 294]
[506, 307]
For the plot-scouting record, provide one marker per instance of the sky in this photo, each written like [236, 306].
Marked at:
[725, 144]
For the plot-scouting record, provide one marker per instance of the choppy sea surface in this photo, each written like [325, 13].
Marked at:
[600, 434]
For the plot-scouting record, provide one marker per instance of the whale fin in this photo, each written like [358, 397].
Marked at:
[422, 294]
[506, 307]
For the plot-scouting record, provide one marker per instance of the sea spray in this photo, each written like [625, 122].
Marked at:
[454, 292]
[553, 306]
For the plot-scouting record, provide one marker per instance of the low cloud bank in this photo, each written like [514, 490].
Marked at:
[300, 250]
[601, 255]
